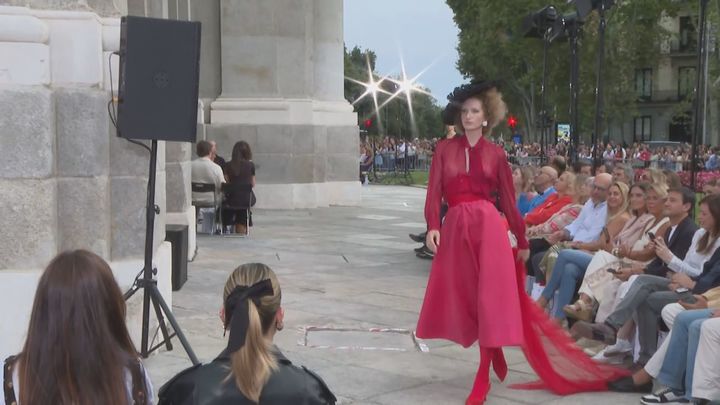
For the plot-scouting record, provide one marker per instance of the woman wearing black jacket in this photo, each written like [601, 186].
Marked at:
[251, 370]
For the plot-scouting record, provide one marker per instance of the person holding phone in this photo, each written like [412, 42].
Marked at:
[698, 272]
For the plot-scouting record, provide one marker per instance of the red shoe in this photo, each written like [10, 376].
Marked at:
[478, 398]
[499, 364]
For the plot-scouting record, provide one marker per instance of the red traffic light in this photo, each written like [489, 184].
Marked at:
[512, 122]
[368, 123]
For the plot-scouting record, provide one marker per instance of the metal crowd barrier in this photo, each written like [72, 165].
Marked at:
[391, 161]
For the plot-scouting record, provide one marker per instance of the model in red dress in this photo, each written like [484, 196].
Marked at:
[476, 288]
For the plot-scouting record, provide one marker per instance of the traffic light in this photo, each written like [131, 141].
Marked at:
[368, 123]
[512, 122]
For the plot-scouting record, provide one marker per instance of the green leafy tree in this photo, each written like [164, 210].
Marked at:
[395, 118]
[491, 45]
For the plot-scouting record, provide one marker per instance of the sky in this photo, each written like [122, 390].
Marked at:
[422, 31]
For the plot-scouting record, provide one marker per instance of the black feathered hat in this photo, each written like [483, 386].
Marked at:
[462, 93]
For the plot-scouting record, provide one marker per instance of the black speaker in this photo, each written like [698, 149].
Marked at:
[159, 75]
[177, 235]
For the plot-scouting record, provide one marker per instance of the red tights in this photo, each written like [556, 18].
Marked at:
[488, 356]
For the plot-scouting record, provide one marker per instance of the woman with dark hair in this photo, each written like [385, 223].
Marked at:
[476, 288]
[251, 369]
[78, 350]
[239, 197]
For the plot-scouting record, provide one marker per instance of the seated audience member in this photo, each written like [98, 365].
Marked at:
[584, 168]
[580, 192]
[554, 202]
[698, 272]
[241, 180]
[698, 378]
[712, 187]
[632, 246]
[559, 164]
[673, 179]
[654, 176]
[77, 349]
[585, 228]
[601, 169]
[623, 173]
[544, 183]
[251, 369]
[522, 180]
[571, 263]
[217, 159]
[204, 170]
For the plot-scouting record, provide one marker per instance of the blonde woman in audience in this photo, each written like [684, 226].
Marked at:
[554, 203]
[251, 369]
[571, 263]
[579, 192]
[633, 239]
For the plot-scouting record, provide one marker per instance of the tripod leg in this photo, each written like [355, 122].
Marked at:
[158, 299]
[163, 327]
[145, 324]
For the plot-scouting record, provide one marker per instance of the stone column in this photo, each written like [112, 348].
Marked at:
[68, 182]
[282, 93]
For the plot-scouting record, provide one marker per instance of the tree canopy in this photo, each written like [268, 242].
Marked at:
[395, 116]
[491, 45]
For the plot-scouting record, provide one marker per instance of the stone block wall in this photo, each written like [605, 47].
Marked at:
[68, 182]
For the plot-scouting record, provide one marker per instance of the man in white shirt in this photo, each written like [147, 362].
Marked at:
[585, 228]
[204, 170]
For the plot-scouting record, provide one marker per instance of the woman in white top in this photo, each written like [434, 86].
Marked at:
[703, 245]
[78, 350]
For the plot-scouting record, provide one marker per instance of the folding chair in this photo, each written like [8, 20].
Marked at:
[239, 197]
[216, 204]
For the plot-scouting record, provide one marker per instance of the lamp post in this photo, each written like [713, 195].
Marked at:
[573, 28]
[700, 90]
[544, 24]
[602, 8]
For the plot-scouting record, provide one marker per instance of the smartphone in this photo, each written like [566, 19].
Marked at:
[651, 236]
[686, 295]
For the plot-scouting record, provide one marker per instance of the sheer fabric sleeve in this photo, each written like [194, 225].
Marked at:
[506, 197]
[433, 199]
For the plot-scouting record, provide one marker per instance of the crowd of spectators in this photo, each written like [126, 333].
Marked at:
[673, 156]
[618, 259]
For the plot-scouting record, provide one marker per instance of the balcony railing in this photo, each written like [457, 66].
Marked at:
[678, 48]
[663, 97]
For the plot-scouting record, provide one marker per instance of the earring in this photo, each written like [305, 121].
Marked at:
[279, 326]
[484, 123]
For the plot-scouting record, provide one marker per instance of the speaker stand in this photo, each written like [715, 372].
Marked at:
[151, 294]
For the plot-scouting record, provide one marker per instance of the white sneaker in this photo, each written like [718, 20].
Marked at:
[666, 396]
[614, 359]
[621, 347]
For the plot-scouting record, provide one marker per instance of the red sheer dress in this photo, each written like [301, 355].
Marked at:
[476, 288]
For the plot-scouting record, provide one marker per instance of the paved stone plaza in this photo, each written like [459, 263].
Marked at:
[351, 268]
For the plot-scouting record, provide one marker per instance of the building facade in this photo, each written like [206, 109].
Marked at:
[665, 110]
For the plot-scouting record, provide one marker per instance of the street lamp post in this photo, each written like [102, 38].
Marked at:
[700, 90]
